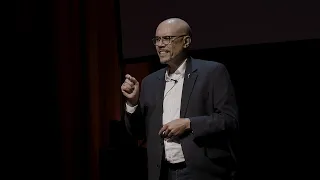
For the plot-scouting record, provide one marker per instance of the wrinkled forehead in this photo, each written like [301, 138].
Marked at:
[167, 29]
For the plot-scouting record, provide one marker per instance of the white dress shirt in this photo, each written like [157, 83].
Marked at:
[171, 111]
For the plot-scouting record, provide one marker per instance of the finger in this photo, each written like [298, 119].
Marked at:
[133, 80]
[162, 130]
[170, 134]
[129, 82]
[127, 76]
[129, 91]
[127, 87]
[125, 93]
[166, 133]
[173, 132]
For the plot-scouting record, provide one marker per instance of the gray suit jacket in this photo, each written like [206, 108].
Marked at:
[208, 99]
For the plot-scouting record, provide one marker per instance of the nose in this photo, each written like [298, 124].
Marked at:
[160, 43]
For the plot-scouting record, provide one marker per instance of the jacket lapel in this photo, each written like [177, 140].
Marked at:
[190, 78]
[160, 86]
[159, 91]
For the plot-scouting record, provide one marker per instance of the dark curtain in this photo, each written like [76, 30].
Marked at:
[88, 73]
[72, 74]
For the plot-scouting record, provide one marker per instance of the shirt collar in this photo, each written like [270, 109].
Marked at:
[178, 73]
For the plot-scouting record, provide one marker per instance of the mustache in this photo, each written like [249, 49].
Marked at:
[166, 50]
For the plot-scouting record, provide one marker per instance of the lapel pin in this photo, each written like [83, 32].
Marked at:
[188, 75]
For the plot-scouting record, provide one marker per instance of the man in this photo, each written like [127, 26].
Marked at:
[186, 111]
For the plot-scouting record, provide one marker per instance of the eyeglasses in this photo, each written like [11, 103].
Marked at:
[165, 39]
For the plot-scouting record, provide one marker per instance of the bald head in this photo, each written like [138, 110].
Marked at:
[172, 40]
[175, 26]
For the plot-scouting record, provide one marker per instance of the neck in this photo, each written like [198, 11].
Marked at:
[174, 65]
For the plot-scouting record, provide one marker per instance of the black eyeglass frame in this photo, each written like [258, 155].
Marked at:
[165, 39]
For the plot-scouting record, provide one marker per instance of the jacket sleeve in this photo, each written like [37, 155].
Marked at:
[222, 100]
[135, 121]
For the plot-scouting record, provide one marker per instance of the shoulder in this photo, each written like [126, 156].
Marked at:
[209, 65]
[153, 76]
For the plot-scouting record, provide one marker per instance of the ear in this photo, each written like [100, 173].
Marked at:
[187, 41]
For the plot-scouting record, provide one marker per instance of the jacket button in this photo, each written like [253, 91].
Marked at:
[158, 166]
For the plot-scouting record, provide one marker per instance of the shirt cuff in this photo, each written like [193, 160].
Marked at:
[131, 109]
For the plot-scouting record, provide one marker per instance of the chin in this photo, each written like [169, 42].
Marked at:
[164, 60]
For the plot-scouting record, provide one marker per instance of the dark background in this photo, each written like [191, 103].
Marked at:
[70, 59]
[218, 23]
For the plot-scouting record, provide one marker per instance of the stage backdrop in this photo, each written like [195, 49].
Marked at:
[219, 23]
